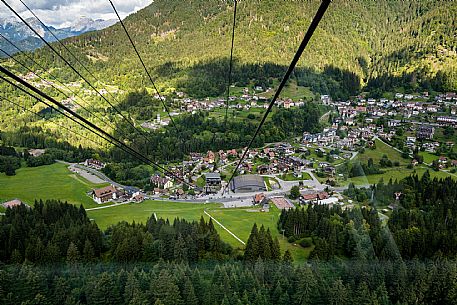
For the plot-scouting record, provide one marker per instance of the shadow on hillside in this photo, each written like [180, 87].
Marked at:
[210, 78]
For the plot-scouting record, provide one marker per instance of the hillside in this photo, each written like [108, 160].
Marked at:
[187, 44]
[359, 45]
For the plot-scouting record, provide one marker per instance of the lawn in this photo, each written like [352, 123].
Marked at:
[428, 157]
[47, 182]
[291, 90]
[395, 173]
[140, 212]
[291, 177]
[381, 149]
[239, 221]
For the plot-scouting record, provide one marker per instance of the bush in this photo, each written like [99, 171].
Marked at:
[291, 239]
[306, 242]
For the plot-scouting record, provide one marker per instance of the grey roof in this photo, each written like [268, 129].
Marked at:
[212, 175]
[248, 181]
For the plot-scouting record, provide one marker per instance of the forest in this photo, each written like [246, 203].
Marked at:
[422, 224]
[259, 283]
[53, 254]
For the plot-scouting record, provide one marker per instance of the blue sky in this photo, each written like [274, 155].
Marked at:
[61, 13]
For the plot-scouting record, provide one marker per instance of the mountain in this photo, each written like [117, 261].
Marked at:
[85, 24]
[25, 39]
[374, 45]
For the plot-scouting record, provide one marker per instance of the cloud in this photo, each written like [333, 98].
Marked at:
[61, 13]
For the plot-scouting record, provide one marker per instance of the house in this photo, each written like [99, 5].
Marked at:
[260, 199]
[213, 182]
[138, 197]
[13, 203]
[161, 182]
[309, 198]
[93, 163]
[442, 160]
[263, 169]
[210, 157]
[105, 194]
[36, 152]
[425, 132]
[446, 120]
[328, 201]
[180, 193]
[159, 191]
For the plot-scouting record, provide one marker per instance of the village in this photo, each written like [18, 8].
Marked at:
[407, 123]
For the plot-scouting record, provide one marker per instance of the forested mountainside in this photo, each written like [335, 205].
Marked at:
[409, 44]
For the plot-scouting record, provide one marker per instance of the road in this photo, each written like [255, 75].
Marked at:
[95, 173]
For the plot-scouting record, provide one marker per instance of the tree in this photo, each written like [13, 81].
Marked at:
[338, 293]
[188, 293]
[295, 192]
[251, 252]
[164, 289]
[72, 254]
[10, 170]
[287, 258]
[88, 251]
[448, 132]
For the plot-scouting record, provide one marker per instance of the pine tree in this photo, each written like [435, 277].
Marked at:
[16, 257]
[338, 294]
[275, 250]
[104, 290]
[164, 289]
[88, 251]
[287, 258]
[188, 293]
[132, 286]
[73, 254]
[61, 290]
[252, 247]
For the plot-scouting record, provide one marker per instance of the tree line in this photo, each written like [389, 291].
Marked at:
[233, 283]
[421, 225]
[54, 232]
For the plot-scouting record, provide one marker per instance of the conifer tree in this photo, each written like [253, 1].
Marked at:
[72, 254]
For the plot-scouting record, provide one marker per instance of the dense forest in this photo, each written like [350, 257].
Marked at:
[356, 257]
[422, 225]
[233, 283]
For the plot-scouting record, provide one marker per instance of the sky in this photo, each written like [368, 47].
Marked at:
[62, 13]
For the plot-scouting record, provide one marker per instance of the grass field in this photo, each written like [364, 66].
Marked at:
[47, 182]
[140, 212]
[396, 173]
[239, 221]
[291, 177]
[381, 149]
[428, 157]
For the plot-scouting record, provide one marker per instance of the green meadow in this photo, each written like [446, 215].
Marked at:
[381, 150]
[47, 182]
[396, 173]
[239, 221]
